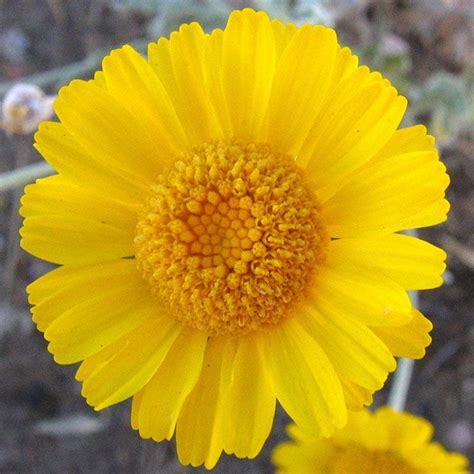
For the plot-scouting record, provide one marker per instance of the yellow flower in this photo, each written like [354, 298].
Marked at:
[225, 217]
[385, 442]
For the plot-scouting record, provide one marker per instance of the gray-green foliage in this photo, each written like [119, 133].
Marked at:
[298, 12]
[167, 15]
[445, 100]
[449, 101]
[394, 64]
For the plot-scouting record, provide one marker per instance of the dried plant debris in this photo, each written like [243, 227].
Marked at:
[24, 107]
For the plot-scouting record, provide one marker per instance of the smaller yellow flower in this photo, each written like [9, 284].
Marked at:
[384, 442]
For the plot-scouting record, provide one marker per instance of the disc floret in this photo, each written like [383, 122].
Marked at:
[230, 237]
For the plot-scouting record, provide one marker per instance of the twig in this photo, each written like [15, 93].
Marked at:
[462, 252]
[21, 176]
[155, 458]
[12, 255]
[61, 75]
[401, 384]
[64, 74]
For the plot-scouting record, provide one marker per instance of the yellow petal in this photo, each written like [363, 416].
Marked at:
[74, 240]
[99, 79]
[282, 33]
[350, 83]
[362, 294]
[58, 195]
[163, 396]
[360, 427]
[411, 262]
[95, 362]
[301, 81]
[182, 64]
[355, 124]
[346, 65]
[434, 458]
[54, 293]
[105, 226]
[411, 431]
[354, 351]
[248, 69]
[302, 458]
[82, 168]
[213, 73]
[125, 366]
[304, 379]
[106, 129]
[392, 192]
[98, 318]
[356, 397]
[250, 401]
[135, 412]
[133, 83]
[409, 340]
[200, 428]
[55, 281]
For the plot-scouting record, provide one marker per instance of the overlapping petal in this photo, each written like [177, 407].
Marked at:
[122, 368]
[79, 322]
[131, 81]
[302, 78]
[100, 124]
[409, 340]
[356, 121]
[157, 406]
[356, 397]
[250, 402]
[411, 262]
[81, 166]
[401, 188]
[55, 208]
[355, 352]
[200, 429]
[364, 294]
[311, 395]
[248, 68]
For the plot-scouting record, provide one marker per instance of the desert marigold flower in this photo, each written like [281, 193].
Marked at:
[225, 218]
[385, 442]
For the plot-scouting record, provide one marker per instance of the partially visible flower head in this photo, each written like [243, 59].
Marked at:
[385, 442]
[24, 107]
[225, 215]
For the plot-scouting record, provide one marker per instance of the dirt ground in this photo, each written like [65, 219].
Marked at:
[45, 425]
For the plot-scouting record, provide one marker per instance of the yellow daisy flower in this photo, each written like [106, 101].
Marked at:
[224, 215]
[385, 442]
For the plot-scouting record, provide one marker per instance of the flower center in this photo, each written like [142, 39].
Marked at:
[230, 238]
[369, 462]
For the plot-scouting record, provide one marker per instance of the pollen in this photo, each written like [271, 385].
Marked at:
[230, 238]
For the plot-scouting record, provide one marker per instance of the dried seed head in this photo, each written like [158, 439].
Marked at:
[24, 107]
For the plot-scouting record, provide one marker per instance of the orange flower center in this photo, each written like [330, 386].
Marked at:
[230, 238]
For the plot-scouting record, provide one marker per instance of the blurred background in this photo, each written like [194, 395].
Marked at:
[425, 47]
